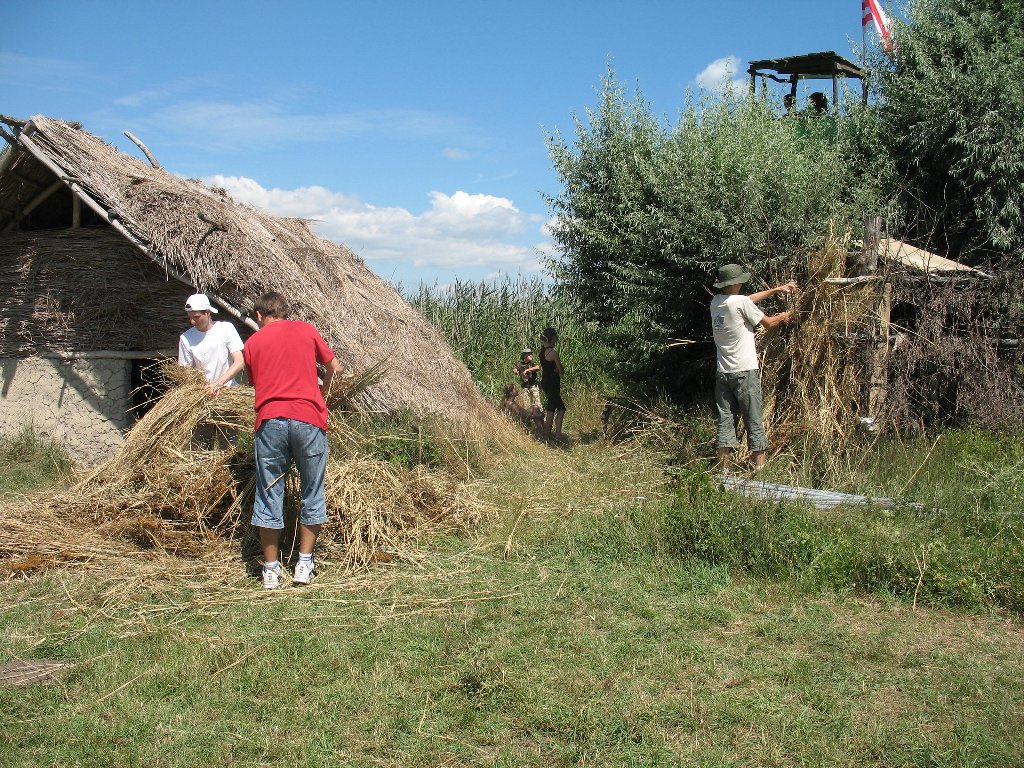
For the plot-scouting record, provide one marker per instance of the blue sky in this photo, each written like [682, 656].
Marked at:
[412, 132]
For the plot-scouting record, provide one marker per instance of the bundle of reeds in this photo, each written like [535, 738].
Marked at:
[813, 370]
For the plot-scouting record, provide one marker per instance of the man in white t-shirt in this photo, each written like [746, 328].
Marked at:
[215, 348]
[734, 318]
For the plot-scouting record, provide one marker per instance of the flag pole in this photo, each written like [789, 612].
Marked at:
[863, 39]
[863, 56]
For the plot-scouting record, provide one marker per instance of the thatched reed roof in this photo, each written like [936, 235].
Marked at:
[201, 238]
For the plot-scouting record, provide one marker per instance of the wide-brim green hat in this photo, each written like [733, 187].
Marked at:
[731, 274]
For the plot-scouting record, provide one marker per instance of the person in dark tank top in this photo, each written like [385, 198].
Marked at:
[551, 385]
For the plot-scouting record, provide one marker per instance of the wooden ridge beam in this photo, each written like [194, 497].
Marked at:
[15, 122]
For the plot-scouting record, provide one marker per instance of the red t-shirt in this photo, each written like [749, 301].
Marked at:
[281, 359]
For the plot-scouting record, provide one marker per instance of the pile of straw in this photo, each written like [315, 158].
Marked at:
[184, 483]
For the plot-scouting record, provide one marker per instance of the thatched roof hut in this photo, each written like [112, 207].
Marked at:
[99, 249]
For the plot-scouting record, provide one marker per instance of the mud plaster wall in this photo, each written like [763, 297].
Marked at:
[82, 403]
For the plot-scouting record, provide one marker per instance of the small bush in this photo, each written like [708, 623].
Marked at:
[648, 209]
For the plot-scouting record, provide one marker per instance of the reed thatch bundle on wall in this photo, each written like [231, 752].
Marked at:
[83, 290]
[236, 253]
[813, 372]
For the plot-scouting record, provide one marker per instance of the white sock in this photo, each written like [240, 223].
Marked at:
[271, 565]
[305, 558]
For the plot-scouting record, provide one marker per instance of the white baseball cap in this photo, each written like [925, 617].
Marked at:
[199, 302]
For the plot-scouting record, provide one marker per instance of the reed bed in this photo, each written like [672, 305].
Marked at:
[489, 324]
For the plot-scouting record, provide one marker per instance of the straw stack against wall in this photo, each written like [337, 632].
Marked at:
[813, 370]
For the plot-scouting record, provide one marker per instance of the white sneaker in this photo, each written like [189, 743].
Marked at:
[272, 577]
[304, 572]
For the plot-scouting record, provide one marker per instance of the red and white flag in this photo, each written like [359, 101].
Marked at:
[872, 12]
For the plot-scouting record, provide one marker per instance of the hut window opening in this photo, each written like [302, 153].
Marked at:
[58, 212]
[904, 315]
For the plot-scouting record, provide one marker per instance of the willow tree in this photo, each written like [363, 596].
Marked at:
[648, 211]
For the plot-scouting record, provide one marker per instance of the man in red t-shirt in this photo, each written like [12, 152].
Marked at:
[291, 425]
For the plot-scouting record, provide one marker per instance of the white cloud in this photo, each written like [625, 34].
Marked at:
[478, 216]
[454, 153]
[140, 98]
[721, 75]
[457, 230]
[284, 202]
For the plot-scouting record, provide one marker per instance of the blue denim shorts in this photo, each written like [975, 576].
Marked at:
[278, 443]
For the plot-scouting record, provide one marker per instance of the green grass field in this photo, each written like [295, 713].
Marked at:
[574, 627]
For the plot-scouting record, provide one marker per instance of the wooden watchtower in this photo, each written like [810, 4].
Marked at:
[825, 65]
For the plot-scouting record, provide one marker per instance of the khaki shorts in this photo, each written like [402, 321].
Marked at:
[532, 396]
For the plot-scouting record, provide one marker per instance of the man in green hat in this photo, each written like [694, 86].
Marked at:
[734, 318]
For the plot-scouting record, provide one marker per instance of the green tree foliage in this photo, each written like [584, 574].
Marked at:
[952, 121]
[648, 211]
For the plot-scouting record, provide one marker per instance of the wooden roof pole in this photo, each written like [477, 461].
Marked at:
[144, 148]
[8, 155]
[835, 89]
[112, 219]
